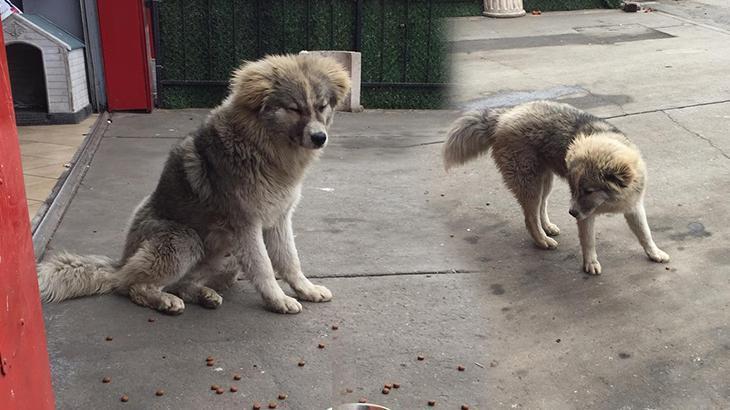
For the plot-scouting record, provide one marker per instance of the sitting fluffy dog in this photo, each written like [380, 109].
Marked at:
[533, 141]
[225, 199]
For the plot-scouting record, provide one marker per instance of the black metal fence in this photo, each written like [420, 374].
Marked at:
[402, 44]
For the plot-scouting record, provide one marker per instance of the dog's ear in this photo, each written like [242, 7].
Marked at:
[339, 78]
[619, 174]
[251, 84]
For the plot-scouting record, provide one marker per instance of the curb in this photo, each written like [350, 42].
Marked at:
[49, 215]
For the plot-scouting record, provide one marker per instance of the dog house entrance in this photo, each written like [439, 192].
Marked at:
[28, 83]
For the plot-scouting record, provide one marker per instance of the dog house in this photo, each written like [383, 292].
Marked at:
[47, 71]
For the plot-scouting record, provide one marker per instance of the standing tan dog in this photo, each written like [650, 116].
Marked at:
[533, 141]
[225, 199]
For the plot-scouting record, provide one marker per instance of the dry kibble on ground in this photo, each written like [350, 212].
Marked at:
[321, 345]
[256, 406]
[236, 377]
[109, 338]
[151, 319]
[386, 390]
[396, 385]
[420, 357]
[209, 364]
[234, 389]
[106, 380]
[215, 387]
[159, 392]
[362, 400]
[335, 327]
[301, 363]
[282, 396]
[388, 386]
[219, 391]
[460, 368]
[464, 407]
[209, 359]
[124, 398]
[272, 405]
[432, 403]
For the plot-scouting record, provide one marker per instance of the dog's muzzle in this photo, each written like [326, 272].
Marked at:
[574, 213]
[318, 139]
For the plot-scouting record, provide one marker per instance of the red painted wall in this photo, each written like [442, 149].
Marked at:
[126, 56]
[25, 379]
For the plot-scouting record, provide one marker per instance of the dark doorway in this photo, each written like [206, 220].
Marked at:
[27, 80]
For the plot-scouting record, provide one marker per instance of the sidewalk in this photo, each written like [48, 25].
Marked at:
[424, 263]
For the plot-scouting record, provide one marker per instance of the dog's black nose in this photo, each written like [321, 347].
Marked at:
[573, 213]
[318, 138]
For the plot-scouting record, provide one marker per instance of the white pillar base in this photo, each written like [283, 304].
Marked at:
[503, 8]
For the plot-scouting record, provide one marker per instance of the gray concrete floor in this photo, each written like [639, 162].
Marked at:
[427, 263]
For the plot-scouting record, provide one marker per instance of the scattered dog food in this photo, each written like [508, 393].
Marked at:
[321, 345]
[461, 368]
[272, 404]
[536, 12]
[124, 398]
[557, 340]
[151, 320]
[464, 407]
[106, 380]
[160, 392]
[282, 396]
[236, 377]
[396, 385]
[301, 363]
[386, 390]
[109, 338]
[431, 403]
[209, 359]
[234, 389]
[335, 327]
[256, 406]
[349, 390]
[420, 357]
[362, 400]
[215, 387]
[219, 391]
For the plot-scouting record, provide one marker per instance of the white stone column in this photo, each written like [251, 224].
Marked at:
[503, 8]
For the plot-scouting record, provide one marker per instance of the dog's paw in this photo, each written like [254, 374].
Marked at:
[171, 304]
[658, 255]
[547, 243]
[209, 298]
[286, 304]
[551, 229]
[315, 293]
[592, 267]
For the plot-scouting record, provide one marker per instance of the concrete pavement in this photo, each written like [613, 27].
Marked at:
[424, 263]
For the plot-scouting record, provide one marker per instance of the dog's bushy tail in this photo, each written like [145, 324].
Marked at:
[470, 136]
[65, 276]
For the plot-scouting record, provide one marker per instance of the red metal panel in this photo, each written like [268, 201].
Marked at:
[25, 379]
[126, 56]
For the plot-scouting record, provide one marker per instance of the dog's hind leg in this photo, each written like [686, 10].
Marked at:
[528, 191]
[285, 260]
[547, 186]
[636, 219]
[160, 261]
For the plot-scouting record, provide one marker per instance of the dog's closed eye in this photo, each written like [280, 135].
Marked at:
[294, 108]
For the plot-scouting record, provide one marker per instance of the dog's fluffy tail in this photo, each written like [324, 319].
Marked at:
[65, 276]
[470, 136]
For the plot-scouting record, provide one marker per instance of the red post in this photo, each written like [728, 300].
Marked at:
[25, 377]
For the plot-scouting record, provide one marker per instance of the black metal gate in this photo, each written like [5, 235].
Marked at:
[402, 43]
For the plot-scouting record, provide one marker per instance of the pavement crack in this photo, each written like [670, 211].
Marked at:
[422, 144]
[681, 107]
[697, 134]
[412, 273]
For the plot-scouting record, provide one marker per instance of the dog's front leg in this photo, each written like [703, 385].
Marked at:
[256, 263]
[588, 245]
[640, 227]
[279, 241]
